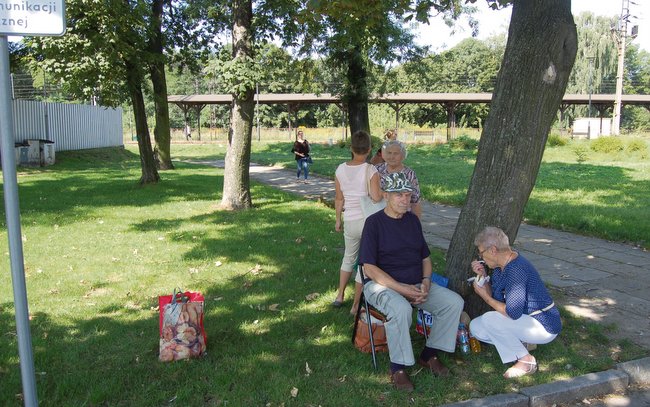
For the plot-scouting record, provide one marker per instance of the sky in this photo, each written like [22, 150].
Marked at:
[439, 36]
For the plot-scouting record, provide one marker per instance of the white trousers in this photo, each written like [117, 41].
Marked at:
[444, 305]
[352, 236]
[507, 334]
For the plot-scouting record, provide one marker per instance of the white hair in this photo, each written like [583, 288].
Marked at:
[492, 236]
[391, 143]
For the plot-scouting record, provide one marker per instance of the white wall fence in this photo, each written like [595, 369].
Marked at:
[69, 126]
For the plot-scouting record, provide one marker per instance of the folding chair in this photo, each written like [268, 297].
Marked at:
[364, 303]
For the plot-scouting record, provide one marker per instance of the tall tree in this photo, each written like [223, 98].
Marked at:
[637, 81]
[352, 33]
[539, 56]
[181, 33]
[101, 56]
[241, 76]
[102, 35]
[597, 55]
[149, 173]
[161, 131]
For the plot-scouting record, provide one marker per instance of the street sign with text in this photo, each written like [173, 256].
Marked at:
[32, 17]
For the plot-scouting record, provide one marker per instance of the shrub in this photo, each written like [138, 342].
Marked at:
[581, 153]
[607, 145]
[464, 142]
[637, 146]
[555, 140]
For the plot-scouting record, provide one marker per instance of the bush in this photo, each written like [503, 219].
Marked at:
[581, 153]
[464, 142]
[637, 146]
[607, 145]
[555, 140]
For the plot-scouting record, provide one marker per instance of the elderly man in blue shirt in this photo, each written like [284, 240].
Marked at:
[398, 269]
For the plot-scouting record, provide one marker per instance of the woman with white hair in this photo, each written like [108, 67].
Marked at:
[524, 312]
[394, 153]
[377, 158]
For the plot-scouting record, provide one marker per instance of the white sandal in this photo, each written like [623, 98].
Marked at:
[517, 372]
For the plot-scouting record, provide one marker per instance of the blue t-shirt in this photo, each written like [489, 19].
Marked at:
[396, 246]
[522, 289]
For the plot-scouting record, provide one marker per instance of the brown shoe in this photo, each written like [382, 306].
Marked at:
[435, 366]
[401, 381]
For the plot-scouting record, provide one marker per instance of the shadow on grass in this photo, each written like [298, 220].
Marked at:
[68, 198]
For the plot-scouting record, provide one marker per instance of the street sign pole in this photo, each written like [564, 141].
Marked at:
[42, 18]
[12, 213]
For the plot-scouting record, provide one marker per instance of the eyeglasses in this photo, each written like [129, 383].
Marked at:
[480, 253]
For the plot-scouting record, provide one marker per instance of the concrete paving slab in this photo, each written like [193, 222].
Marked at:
[629, 257]
[616, 296]
[624, 248]
[560, 280]
[578, 388]
[548, 264]
[613, 267]
[585, 274]
[642, 293]
[557, 252]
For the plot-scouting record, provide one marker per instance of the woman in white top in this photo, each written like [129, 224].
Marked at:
[352, 184]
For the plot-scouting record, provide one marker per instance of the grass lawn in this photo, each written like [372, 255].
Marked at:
[99, 250]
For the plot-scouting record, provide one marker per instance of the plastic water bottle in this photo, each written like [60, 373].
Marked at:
[463, 340]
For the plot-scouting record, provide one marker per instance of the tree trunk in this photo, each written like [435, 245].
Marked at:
[357, 96]
[161, 132]
[539, 56]
[236, 180]
[147, 162]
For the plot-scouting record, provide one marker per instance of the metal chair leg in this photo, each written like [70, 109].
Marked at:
[372, 340]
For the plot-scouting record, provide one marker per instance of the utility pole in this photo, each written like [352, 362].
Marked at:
[591, 74]
[591, 79]
[257, 109]
[620, 37]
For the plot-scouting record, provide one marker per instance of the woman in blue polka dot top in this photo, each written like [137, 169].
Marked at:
[524, 312]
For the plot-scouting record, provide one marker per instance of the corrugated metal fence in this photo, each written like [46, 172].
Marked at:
[69, 126]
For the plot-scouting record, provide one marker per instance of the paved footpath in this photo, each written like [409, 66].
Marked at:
[602, 281]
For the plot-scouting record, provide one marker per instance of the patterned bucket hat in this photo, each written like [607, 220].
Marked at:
[396, 182]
